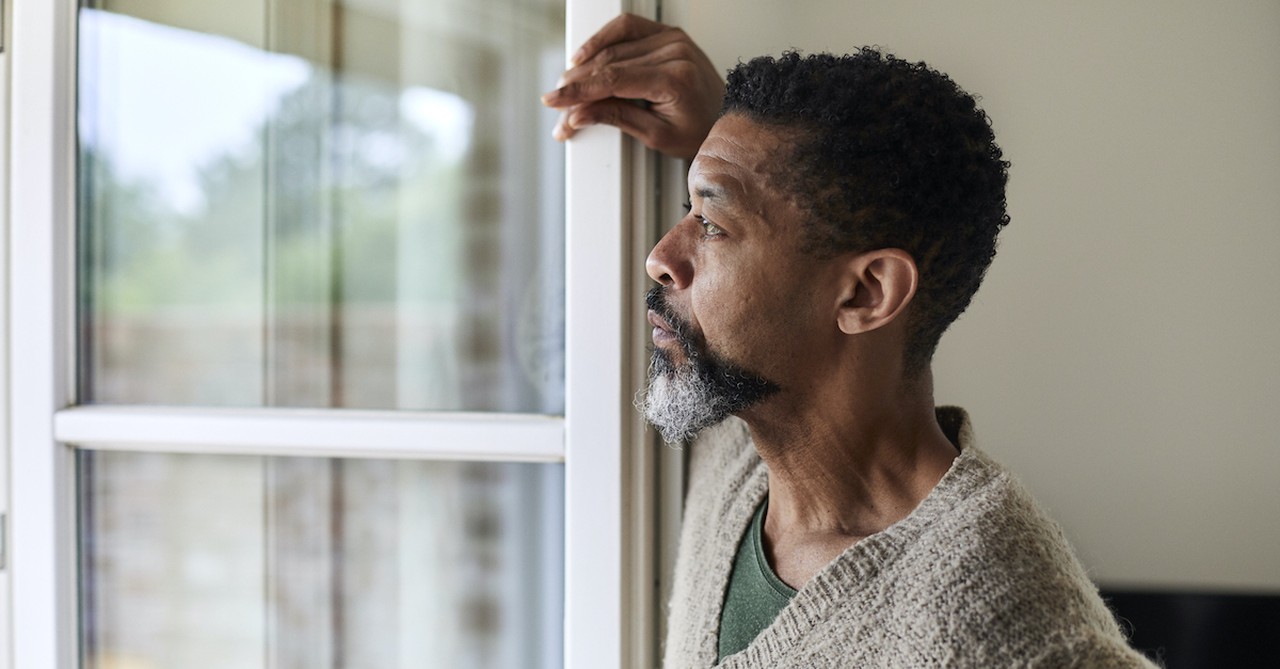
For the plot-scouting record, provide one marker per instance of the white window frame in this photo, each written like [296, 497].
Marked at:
[6, 610]
[613, 540]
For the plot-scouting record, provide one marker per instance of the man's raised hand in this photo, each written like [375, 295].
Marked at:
[648, 79]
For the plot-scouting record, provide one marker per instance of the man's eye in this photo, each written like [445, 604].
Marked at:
[708, 228]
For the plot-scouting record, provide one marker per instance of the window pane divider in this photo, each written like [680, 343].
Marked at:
[315, 432]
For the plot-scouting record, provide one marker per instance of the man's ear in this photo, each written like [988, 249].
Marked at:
[876, 288]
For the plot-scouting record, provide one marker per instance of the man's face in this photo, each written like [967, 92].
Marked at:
[739, 316]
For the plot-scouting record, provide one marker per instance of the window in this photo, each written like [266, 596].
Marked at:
[248, 561]
[332, 344]
[319, 203]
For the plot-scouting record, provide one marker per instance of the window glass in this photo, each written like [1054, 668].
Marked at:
[243, 561]
[321, 203]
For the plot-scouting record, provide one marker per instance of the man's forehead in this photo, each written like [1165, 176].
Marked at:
[736, 151]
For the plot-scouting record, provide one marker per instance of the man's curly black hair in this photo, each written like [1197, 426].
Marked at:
[889, 154]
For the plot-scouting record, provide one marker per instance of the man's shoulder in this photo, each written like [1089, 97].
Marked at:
[979, 576]
[995, 536]
[996, 519]
[981, 510]
[995, 561]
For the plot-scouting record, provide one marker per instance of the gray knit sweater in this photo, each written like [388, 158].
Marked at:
[976, 576]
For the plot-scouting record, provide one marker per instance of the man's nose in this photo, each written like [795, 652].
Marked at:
[669, 261]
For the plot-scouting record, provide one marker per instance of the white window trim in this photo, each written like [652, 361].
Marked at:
[6, 611]
[611, 610]
[314, 433]
[610, 607]
[42, 523]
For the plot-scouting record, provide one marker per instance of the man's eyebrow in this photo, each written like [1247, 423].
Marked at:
[709, 192]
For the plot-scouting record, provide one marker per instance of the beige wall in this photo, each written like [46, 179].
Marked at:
[1122, 356]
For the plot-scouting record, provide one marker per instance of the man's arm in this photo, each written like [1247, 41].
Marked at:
[648, 79]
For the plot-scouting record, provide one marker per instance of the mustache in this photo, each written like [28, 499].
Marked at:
[690, 340]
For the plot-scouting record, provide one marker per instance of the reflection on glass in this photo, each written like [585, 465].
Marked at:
[299, 203]
[247, 562]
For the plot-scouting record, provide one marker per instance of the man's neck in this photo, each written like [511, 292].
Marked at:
[843, 472]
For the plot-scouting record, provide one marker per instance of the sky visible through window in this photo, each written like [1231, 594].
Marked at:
[153, 86]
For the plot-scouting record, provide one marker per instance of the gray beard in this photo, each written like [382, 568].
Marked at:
[682, 400]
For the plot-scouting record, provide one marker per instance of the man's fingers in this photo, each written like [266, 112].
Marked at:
[613, 81]
[563, 130]
[642, 48]
[596, 79]
[622, 28]
[626, 115]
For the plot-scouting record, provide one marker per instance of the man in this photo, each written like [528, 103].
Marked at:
[843, 211]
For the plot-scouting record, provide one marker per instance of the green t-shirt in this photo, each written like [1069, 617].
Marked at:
[755, 595]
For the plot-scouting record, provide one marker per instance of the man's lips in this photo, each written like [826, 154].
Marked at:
[663, 333]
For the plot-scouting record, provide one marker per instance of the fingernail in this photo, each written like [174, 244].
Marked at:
[558, 133]
[547, 97]
[577, 57]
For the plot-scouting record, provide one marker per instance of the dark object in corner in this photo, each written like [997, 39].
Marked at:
[1199, 630]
